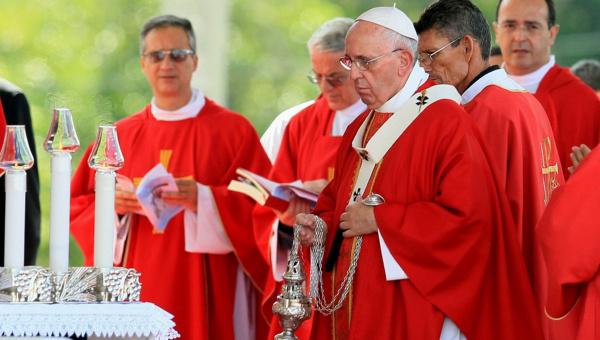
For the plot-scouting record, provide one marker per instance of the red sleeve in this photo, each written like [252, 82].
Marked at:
[570, 236]
[2, 124]
[286, 163]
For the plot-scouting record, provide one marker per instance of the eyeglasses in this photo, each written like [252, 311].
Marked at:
[334, 81]
[362, 64]
[425, 59]
[177, 55]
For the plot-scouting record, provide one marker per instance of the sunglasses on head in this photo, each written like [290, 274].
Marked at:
[177, 55]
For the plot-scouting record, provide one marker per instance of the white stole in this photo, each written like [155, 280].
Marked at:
[373, 153]
[381, 142]
[498, 78]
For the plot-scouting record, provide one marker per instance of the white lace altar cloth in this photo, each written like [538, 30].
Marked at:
[115, 320]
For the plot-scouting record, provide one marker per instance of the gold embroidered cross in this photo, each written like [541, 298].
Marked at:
[549, 171]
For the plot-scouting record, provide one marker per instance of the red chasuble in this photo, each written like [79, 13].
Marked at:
[197, 288]
[524, 155]
[573, 109]
[447, 224]
[2, 125]
[570, 237]
[307, 152]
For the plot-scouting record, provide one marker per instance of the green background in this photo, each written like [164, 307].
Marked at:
[84, 55]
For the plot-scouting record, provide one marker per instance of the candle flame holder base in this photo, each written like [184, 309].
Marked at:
[78, 285]
[117, 285]
[29, 284]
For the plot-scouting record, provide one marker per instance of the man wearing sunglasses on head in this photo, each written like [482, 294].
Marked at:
[203, 266]
[311, 139]
[513, 123]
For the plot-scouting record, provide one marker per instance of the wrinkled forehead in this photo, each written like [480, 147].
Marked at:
[367, 36]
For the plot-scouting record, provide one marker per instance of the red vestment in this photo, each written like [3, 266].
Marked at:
[307, 152]
[523, 153]
[2, 125]
[573, 109]
[444, 222]
[570, 240]
[197, 288]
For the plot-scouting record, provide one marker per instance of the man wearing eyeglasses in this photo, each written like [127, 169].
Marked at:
[427, 257]
[454, 47]
[202, 267]
[311, 139]
[526, 31]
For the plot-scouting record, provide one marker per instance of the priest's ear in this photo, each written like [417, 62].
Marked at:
[407, 60]
[468, 45]
[553, 33]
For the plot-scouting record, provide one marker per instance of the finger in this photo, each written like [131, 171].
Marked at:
[349, 233]
[585, 149]
[171, 195]
[574, 160]
[571, 169]
[344, 217]
[578, 154]
[306, 220]
[344, 225]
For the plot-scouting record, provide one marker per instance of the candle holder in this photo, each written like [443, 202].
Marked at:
[60, 142]
[105, 158]
[27, 284]
[117, 285]
[15, 158]
[60, 284]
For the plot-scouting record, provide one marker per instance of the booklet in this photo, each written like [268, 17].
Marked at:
[269, 193]
[148, 192]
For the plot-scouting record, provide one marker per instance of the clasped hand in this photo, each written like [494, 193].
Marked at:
[357, 219]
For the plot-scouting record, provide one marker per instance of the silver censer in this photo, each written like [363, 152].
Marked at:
[292, 306]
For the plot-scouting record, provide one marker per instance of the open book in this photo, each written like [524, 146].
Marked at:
[148, 193]
[266, 192]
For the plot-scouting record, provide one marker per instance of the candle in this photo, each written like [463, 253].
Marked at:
[105, 158]
[60, 141]
[15, 158]
[60, 193]
[104, 230]
[14, 237]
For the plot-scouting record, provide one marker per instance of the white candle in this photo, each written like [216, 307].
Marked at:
[104, 230]
[59, 211]
[14, 235]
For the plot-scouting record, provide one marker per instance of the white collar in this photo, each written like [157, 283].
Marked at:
[417, 78]
[496, 77]
[531, 81]
[353, 110]
[189, 110]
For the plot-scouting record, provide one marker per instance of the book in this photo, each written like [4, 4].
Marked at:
[148, 192]
[269, 193]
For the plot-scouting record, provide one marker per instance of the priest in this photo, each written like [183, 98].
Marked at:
[526, 31]
[434, 259]
[454, 45]
[205, 267]
[570, 242]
